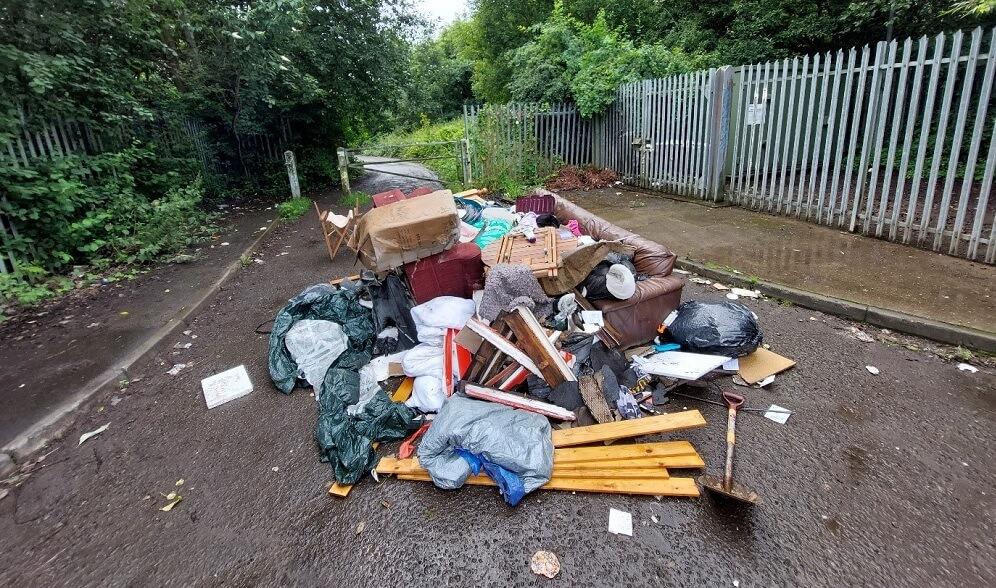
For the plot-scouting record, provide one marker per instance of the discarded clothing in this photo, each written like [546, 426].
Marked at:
[494, 229]
[527, 226]
[511, 285]
[724, 328]
[547, 220]
[315, 345]
[515, 440]
[432, 318]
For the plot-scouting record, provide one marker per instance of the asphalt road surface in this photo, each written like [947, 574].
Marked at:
[876, 480]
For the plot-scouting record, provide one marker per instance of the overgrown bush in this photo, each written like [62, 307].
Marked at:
[113, 208]
[571, 60]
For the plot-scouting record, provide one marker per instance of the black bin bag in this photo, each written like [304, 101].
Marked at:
[721, 328]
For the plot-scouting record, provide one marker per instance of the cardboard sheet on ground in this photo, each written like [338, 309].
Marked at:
[390, 236]
[681, 365]
[761, 364]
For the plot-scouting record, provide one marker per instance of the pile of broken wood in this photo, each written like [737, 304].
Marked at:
[584, 462]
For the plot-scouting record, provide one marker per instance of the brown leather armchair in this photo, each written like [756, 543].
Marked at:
[636, 320]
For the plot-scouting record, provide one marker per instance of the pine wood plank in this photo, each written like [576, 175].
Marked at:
[647, 487]
[671, 455]
[603, 453]
[649, 473]
[664, 423]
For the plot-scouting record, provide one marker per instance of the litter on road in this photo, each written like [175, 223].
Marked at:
[525, 347]
[545, 563]
[226, 386]
[91, 434]
[620, 522]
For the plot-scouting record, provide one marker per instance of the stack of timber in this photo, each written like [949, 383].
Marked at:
[640, 468]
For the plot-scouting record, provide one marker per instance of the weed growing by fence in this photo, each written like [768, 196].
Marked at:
[506, 158]
[294, 208]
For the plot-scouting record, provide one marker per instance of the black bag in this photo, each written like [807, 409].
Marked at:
[724, 328]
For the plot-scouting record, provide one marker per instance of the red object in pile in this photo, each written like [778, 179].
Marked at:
[455, 272]
[396, 195]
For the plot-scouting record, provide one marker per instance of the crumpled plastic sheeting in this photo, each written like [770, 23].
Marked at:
[432, 318]
[724, 328]
[427, 394]
[322, 302]
[516, 440]
[344, 442]
[315, 345]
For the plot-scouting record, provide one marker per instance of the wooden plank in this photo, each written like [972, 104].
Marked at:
[620, 452]
[503, 345]
[665, 423]
[644, 473]
[404, 390]
[531, 337]
[527, 404]
[646, 487]
[625, 467]
[683, 461]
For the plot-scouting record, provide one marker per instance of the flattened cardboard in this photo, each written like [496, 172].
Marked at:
[390, 236]
[761, 364]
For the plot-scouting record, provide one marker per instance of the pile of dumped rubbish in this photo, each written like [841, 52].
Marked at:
[509, 345]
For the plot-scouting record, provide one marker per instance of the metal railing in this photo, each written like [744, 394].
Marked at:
[896, 142]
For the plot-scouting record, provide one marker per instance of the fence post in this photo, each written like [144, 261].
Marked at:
[465, 160]
[719, 129]
[292, 174]
[344, 169]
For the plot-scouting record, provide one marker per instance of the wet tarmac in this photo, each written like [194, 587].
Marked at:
[875, 480]
[50, 352]
[809, 257]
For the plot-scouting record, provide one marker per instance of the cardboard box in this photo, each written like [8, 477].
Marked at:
[405, 231]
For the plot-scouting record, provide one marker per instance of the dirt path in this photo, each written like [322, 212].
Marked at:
[874, 480]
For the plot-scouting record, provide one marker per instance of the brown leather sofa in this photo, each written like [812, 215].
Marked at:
[634, 321]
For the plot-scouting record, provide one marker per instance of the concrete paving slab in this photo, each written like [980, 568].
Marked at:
[809, 257]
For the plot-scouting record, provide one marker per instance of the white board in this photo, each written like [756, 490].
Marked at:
[228, 385]
[680, 365]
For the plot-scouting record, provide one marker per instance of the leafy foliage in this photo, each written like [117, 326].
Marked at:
[424, 141]
[181, 100]
[294, 208]
[572, 60]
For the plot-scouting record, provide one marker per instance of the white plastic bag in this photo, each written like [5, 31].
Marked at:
[368, 387]
[314, 345]
[427, 394]
[432, 318]
[423, 360]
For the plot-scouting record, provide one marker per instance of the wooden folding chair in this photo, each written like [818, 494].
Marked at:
[335, 225]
